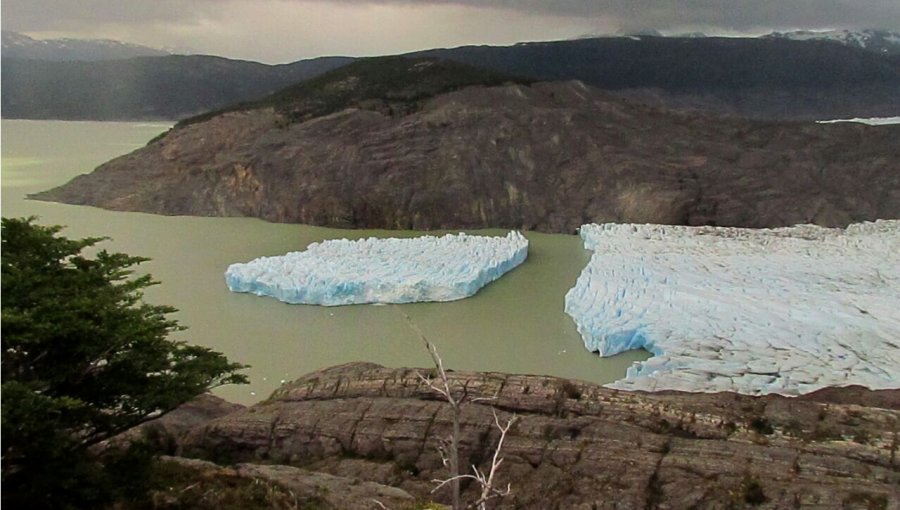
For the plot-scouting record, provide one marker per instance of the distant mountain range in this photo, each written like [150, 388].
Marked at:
[878, 41]
[883, 42]
[16, 45]
[770, 77]
[747, 77]
[162, 88]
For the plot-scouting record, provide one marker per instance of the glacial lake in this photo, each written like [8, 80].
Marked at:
[516, 324]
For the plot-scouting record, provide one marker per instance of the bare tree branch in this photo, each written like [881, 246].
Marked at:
[488, 491]
[449, 449]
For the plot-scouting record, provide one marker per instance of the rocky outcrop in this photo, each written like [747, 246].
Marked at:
[164, 433]
[548, 157]
[298, 488]
[577, 445]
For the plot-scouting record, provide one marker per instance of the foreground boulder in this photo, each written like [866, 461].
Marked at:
[577, 445]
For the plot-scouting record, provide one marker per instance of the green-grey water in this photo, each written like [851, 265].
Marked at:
[515, 324]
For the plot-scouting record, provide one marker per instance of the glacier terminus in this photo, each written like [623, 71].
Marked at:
[786, 310]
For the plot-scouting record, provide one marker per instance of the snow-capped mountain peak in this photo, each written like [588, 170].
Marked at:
[878, 41]
[17, 45]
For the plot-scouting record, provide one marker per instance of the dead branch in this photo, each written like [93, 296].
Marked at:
[449, 449]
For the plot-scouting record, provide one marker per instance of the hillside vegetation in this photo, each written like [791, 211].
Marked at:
[395, 85]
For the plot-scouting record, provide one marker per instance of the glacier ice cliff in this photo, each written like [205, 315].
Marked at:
[343, 272]
[787, 310]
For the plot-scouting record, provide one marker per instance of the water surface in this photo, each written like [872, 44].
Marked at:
[515, 324]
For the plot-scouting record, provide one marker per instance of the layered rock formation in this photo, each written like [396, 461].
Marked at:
[549, 157]
[578, 445]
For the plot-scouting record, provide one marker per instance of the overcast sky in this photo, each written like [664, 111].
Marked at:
[277, 31]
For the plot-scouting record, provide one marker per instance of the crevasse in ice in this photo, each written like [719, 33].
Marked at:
[343, 272]
[786, 310]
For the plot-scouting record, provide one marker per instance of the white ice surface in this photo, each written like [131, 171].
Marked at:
[785, 311]
[343, 272]
[872, 121]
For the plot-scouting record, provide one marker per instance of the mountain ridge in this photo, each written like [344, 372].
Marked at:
[169, 88]
[16, 45]
[773, 79]
[883, 42]
[544, 156]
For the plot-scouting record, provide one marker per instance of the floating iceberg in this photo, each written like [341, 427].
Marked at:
[787, 310]
[343, 272]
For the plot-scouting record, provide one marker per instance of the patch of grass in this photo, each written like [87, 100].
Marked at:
[794, 428]
[867, 500]
[826, 433]
[159, 137]
[424, 505]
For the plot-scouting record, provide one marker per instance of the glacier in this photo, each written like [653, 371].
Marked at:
[756, 311]
[373, 270]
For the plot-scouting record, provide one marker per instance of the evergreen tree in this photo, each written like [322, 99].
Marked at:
[84, 359]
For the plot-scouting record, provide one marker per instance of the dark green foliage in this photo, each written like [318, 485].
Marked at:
[84, 359]
[730, 427]
[570, 390]
[394, 85]
[753, 491]
[655, 492]
[762, 425]
[862, 436]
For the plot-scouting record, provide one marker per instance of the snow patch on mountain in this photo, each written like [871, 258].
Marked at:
[872, 121]
[878, 41]
[16, 45]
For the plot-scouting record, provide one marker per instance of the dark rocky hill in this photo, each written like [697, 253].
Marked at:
[547, 156]
[683, 63]
[768, 78]
[170, 87]
[575, 445]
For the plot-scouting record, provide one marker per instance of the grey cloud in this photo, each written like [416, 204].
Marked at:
[43, 15]
[735, 15]
[723, 14]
